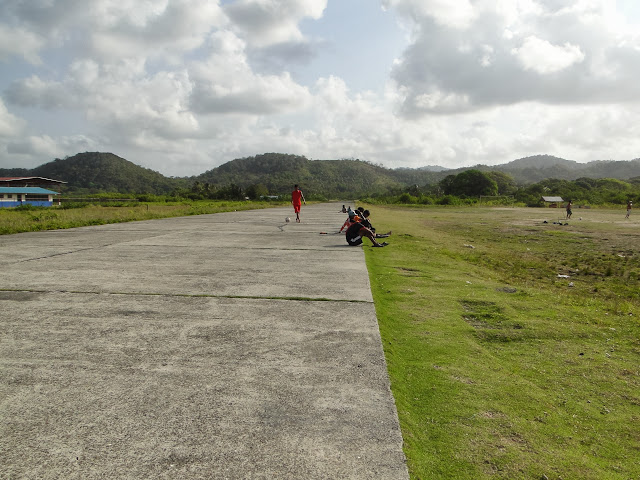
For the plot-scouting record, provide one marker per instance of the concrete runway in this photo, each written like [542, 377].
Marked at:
[223, 346]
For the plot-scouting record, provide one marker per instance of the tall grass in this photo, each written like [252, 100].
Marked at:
[29, 219]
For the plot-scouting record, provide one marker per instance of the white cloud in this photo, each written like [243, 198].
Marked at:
[225, 83]
[157, 29]
[440, 101]
[267, 22]
[542, 57]
[20, 42]
[258, 95]
[35, 92]
[184, 85]
[512, 52]
[43, 146]
[10, 125]
[447, 13]
[109, 29]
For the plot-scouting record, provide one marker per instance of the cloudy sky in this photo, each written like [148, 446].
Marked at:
[182, 86]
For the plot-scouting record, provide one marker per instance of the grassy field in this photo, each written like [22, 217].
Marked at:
[14, 220]
[513, 345]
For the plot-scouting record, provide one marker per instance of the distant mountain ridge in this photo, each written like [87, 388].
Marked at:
[540, 167]
[539, 161]
[105, 172]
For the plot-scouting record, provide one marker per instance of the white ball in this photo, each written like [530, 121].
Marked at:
[287, 219]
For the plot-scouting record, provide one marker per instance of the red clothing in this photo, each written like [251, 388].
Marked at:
[350, 221]
[296, 197]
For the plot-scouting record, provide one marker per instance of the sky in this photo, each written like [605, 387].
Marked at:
[183, 86]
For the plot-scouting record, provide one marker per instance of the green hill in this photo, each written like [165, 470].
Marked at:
[278, 172]
[534, 169]
[94, 172]
[541, 167]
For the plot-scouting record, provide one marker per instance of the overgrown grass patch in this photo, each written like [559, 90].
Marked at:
[513, 345]
[17, 220]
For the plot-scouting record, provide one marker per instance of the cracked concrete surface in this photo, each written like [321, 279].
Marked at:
[214, 346]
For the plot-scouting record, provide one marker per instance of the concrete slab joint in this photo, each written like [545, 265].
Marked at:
[214, 346]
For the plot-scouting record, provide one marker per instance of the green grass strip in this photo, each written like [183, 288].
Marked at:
[513, 346]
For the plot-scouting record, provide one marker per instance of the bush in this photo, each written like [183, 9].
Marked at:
[70, 205]
[449, 200]
[149, 197]
[407, 198]
[28, 207]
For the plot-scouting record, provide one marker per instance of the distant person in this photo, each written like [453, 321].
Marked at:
[344, 209]
[357, 231]
[629, 205]
[569, 212]
[296, 200]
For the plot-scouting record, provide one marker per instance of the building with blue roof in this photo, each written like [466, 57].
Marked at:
[17, 191]
[17, 196]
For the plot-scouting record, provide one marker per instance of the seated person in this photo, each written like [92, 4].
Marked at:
[351, 219]
[357, 231]
[365, 221]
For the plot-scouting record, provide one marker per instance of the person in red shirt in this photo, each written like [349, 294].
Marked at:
[296, 200]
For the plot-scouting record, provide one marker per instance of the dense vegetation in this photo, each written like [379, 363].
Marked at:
[540, 167]
[277, 173]
[473, 186]
[274, 174]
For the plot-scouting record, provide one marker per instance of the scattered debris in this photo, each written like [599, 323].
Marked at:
[469, 246]
[571, 284]
[563, 276]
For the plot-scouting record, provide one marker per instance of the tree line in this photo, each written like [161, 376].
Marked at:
[471, 186]
[274, 174]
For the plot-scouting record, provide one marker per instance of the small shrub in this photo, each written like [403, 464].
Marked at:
[407, 198]
[44, 216]
[27, 207]
[449, 200]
